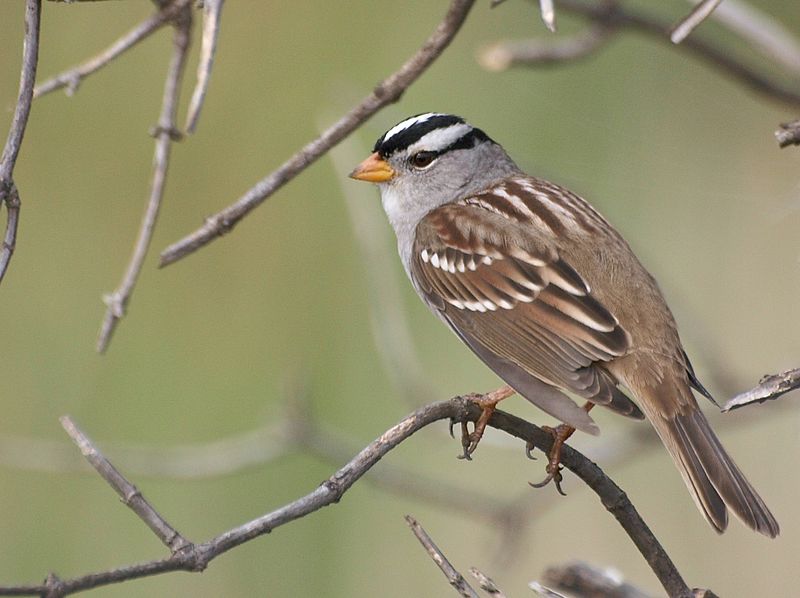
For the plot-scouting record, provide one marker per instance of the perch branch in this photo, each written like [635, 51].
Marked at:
[769, 387]
[453, 576]
[212, 11]
[196, 557]
[9, 194]
[165, 133]
[72, 78]
[388, 91]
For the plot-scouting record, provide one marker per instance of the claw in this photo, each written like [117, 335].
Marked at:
[529, 451]
[468, 444]
[487, 403]
[552, 476]
[560, 435]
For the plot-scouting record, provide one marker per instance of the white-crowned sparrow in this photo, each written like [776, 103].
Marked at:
[544, 290]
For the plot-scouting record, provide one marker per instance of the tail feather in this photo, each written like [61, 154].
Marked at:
[679, 443]
[728, 479]
[710, 474]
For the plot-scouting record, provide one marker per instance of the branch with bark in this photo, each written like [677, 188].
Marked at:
[9, 193]
[188, 556]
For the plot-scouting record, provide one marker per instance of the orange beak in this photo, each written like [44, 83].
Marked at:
[373, 170]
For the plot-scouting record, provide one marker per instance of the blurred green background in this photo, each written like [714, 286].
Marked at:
[680, 158]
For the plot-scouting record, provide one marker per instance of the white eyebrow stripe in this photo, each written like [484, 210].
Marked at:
[439, 139]
[409, 122]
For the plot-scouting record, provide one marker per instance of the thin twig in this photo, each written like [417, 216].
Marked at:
[769, 387]
[385, 93]
[454, 578]
[548, 14]
[195, 557]
[130, 495]
[9, 194]
[788, 134]
[691, 21]
[165, 133]
[72, 78]
[212, 12]
[502, 55]
[486, 583]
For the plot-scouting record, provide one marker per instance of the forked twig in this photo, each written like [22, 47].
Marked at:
[165, 133]
[195, 557]
[72, 78]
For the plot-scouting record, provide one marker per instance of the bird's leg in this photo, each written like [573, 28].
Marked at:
[488, 403]
[560, 434]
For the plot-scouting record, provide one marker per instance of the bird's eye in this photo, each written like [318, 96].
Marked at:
[422, 159]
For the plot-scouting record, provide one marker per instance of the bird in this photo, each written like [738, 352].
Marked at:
[545, 291]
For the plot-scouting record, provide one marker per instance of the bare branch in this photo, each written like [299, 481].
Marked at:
[385, 93]
[788, 134]
[130, 495]
[454, 578]
[691, 21]
[165, 133]
[212, 12]
[195, 557]
[72, 78]
[769, 387]
[9, 194]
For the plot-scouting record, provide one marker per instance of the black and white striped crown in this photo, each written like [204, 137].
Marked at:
[432, 131]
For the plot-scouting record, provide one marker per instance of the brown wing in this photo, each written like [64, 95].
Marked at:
[509, 291]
